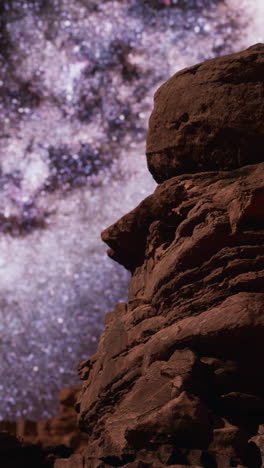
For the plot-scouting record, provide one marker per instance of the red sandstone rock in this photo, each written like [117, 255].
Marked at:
[175, 363]
[177, 379]
[209, 117]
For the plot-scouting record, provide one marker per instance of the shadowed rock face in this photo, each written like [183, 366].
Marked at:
[209, 117]
[177, 380]
[15, 453]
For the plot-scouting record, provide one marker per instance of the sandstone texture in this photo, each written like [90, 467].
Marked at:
[178, 378]
[209, 117]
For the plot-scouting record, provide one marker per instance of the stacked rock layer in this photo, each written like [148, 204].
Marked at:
[178, 378]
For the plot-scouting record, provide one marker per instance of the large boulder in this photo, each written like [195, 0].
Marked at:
[209, 117]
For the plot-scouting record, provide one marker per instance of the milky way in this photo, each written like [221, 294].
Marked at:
[77, 79]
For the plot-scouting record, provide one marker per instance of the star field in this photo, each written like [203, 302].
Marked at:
[77, 80]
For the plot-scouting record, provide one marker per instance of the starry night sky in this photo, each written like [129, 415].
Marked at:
[77, 79]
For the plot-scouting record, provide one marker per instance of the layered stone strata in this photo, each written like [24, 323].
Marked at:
[177, 379]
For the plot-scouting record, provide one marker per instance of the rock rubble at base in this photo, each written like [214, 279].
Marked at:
[15, 453]
[61, 430]
[178, 378]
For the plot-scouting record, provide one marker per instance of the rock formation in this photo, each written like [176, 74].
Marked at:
[177, 379]
[61, 430]
[209, 117]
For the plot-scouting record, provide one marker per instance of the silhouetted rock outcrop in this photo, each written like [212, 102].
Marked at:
[61, 430]
[177, 379]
